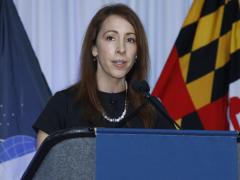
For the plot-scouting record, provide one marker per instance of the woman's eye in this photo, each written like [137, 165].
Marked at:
[131, 40]
[110, 38]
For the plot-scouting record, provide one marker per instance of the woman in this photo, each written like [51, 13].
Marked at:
[114, 54]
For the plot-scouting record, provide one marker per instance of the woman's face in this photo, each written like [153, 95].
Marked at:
[115, 48]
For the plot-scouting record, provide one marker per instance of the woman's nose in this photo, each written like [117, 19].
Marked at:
[121, 47]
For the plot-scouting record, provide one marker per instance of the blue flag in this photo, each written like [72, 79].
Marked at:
[23, 88]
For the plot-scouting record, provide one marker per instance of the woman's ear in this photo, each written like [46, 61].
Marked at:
[94, 51]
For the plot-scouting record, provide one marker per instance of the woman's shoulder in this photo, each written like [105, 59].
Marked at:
[68, 93]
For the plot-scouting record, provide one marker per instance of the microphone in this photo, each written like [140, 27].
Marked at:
[143, 87]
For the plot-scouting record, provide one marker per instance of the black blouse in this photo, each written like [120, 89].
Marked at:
[61, 112]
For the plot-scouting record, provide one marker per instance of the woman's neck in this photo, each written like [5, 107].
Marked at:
[113, 86]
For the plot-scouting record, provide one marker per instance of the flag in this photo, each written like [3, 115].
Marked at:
[199, 84]
[23, 93]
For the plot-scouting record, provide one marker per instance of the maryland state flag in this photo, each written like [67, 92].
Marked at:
[200, 83]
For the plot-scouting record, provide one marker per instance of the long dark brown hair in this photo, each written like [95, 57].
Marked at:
[88, 84]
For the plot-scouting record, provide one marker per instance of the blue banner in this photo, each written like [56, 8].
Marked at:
[23, 88]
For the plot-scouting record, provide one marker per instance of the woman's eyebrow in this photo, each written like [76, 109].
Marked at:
[109, 31]
[114, 31]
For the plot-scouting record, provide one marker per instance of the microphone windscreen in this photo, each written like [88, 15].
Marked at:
[140, 86]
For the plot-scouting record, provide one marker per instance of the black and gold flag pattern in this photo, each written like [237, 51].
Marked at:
[204, 61]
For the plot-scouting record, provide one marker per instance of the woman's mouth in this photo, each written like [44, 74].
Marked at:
[119, 63]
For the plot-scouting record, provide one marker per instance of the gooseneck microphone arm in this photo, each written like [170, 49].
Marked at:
[143, 87]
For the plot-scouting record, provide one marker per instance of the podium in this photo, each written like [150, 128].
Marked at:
[122, 154]
[67, 154]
